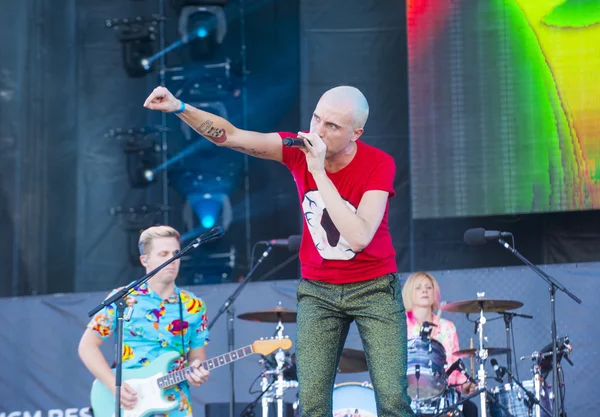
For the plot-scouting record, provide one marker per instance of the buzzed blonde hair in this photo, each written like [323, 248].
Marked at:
[408, 290]
[154, 232]
[359, 102]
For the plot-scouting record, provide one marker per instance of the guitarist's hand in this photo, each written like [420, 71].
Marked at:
[128, 396]
[199, 374]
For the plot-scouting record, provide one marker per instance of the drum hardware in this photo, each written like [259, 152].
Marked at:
[426, 330]
[517, 399]
[531, 398]
[273, 382]
[453, 408]
[508, 317]
[481, 305]
[543, 358]
[490, 351]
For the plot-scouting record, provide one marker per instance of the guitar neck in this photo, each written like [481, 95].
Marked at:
[176, 377]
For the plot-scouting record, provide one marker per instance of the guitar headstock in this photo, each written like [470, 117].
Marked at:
[268, 346]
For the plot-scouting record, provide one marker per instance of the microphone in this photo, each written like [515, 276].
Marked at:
[293, 142]
[292, 242]
[214, 233]
[463, 371]
[478, 236]
[456, 365]
[498, 369]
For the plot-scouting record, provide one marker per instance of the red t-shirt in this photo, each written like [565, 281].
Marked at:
[324, 254]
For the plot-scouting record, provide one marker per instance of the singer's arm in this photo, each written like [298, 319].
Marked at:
[215, 128]
[222, 133]
[357, 228]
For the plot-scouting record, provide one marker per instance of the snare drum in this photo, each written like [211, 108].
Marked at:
[354, 399]
[426, 374]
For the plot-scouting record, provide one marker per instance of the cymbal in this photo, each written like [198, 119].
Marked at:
[352, 360]
[492, 351]
[474, 306]
[270, 316]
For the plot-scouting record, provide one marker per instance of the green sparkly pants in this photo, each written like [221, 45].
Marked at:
[325, 312]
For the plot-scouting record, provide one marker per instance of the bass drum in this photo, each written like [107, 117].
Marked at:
[354, 399]
[511, 400]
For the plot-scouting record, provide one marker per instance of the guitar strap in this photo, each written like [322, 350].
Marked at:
[183, 355]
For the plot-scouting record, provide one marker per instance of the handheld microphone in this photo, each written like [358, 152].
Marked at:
[478, 236]
[499, 371]
[293, 142]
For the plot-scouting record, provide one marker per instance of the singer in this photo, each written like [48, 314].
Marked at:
[161, 313]
[348, 262]
[421, 296]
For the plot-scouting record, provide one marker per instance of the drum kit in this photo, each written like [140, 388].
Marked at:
[427, 371]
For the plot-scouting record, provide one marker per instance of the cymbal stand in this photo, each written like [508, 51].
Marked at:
[279, 383]
[482, 355]
[508, 327]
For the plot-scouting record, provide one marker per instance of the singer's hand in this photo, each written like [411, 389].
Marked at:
[315, 150]
[162, 99]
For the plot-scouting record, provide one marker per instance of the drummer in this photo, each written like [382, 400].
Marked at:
[421, 296]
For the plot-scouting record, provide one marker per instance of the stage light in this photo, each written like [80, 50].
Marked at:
[207, 197]
[208, 221]
[141, 154]
[203, 29]
[135, 57]
[212, 208]
[137, 37]
[149, 175]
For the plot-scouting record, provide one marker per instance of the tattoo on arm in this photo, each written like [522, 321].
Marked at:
[250, 151]
[212, 133]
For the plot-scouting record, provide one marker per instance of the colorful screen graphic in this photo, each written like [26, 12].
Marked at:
[504, 106]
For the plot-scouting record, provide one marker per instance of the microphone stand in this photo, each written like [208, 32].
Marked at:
[249, 410]
[508, 324]
[553, 286]
[228, 306]
[118, 298]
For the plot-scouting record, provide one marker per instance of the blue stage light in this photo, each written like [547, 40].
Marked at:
[208, 221]
[201, 32]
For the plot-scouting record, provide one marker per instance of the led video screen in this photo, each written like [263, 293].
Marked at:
[504, 106]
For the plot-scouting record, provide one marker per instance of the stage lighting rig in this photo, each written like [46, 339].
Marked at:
[142, 150]
[202, 26]
[137, 36]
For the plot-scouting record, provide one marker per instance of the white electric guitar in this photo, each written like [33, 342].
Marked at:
[151, 380]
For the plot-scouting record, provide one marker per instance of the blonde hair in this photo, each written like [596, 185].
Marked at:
[408, 290]
[154, 232]
[345, 94]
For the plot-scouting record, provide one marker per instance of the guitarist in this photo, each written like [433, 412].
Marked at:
[164, 318]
